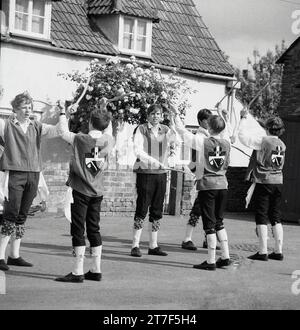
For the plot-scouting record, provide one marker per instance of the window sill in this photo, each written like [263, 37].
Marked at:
[28, 36]
[134, 53]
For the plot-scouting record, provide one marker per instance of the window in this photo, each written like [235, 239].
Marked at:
[30, 18]
[135, 36]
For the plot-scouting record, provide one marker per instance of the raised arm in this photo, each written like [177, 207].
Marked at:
[64, 132]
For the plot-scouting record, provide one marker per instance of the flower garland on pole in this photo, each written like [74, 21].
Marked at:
[127, 90]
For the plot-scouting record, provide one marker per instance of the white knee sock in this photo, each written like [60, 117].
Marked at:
[262, 231]
[223, 238]
[188, 233]
[79, 259]
[15, 247]
[136, 237]
[96, 259]
[3, 245]
[152, 237]
[211, 245]
[278, 236]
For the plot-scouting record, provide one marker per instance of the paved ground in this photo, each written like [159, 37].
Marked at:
[151, 282]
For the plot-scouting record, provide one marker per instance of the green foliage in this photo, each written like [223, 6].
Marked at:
[261, 70]
[136, 87]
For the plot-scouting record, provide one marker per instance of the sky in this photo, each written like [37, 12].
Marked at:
[240, 26]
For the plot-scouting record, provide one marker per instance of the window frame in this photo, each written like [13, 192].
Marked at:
[47, 21]
[147, 52]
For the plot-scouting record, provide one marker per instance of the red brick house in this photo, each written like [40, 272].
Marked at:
[42, 38]
[289, 110]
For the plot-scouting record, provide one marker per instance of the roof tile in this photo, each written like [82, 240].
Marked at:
[180, 37]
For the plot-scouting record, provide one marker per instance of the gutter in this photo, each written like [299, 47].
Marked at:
[8, 39]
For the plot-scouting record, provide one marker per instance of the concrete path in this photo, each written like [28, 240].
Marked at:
[152, 282]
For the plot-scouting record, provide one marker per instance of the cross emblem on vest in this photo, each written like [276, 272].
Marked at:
[94, 162]
[217, 158]
[277, 156]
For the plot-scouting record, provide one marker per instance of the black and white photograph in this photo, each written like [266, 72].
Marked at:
[149, 159]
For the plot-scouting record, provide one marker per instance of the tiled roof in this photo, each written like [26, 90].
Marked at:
[71, 29]
[138, 8]
[182, 39]
[179, 39]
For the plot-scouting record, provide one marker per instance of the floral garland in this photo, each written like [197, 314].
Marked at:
[130, 90]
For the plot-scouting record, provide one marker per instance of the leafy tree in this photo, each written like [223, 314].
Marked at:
[262, 72]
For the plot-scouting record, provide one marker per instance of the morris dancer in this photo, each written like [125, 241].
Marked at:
[89, 159]
[202, 117]
[21, 161]
[214, 153]
[151, 142]
[265, 170]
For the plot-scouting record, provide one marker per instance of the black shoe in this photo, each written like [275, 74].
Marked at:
[3, 265]
[71, 278]
[93, 276]
[136, 252]
[18, 262]
[258, 256]
[275, 256]
[157, 252]
[205, 246]
[223, 263]
[189, 245]
[205, 266]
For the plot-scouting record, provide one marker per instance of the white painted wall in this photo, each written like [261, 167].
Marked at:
[35, 70]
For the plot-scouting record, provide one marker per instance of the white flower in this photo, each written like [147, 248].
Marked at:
[133, 58]
[147, 83]
[90, 88]
[163, 95]
[147, 71]
[129, 66]
[139, 71]
[125, 99]
[138, 96]
[88, 96]
[121, 110]
[114, 60]
[134, 110]
[120, 91]
[108, 88]
[133, 75]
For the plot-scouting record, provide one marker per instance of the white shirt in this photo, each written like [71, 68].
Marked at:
[48, 131]
[138, 143]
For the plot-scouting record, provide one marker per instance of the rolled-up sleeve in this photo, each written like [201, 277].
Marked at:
[63, 130]
[2, 127]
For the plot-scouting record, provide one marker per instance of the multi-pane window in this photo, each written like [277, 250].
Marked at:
[30, 17]
[135, 36]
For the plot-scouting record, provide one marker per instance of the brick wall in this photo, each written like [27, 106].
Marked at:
[119, 190]
[237, 191]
